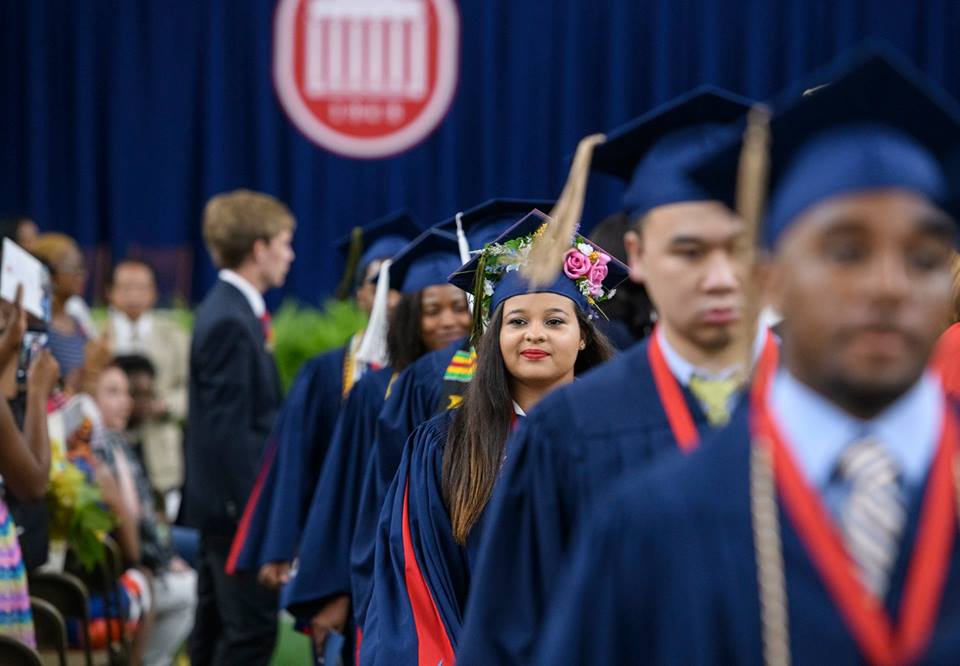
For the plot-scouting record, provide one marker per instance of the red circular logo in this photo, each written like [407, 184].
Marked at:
[366, 78]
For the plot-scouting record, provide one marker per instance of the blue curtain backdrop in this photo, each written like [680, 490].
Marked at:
[119, 118]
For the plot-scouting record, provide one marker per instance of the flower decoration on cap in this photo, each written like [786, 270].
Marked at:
[588, 277]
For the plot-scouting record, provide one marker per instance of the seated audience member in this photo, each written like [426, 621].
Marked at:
[142, 377]
[138, 328]
[143, 536]
[71, 341]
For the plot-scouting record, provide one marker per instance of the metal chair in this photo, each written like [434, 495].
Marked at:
[68, 595]
[15, 653]
[50, 628]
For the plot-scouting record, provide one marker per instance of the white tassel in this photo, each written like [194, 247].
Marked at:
[373, 349]
[462, 243]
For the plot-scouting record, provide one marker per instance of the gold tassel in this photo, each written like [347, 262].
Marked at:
[752, 175]
[345, 289]
[545, 257]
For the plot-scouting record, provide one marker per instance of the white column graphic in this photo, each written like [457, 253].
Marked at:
[375, 48]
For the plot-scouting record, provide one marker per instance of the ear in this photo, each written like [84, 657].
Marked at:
[258, 250]
[773, 281]
[633, 244]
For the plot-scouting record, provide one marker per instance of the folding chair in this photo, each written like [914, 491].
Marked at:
[68, 595]
[50, 628]
[15, 653]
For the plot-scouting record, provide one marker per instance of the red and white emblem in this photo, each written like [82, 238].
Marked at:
[366, 78]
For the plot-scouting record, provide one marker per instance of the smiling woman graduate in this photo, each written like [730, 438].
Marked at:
[429, 316]
[530, 342]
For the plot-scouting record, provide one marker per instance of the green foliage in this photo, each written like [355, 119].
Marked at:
[77, 515]
[302, 332]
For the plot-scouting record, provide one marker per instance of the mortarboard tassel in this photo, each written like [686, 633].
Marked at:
[753, 172]
[547, 251]
[348, 281]
[752, 175]
[373, 348]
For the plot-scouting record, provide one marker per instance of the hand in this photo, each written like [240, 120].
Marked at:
[98, 353]
[333, 617]
[178, 565]
[158, 408]
[12, 337]
[107, 482]
[43, 374]
[274, 575]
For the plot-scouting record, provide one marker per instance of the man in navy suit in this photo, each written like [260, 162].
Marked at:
[234, 394]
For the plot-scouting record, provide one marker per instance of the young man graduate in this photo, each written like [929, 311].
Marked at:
[653, 400]
[269, 529]
[821, 525]
[432, 385]
[419, 322]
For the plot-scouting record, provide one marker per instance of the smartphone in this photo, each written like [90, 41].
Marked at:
[33, 342]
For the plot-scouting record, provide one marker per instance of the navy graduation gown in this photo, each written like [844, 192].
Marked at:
[419, 392]
[324, 550]
[420, 580]
[575, 444]
[277, 507]
[666, 574]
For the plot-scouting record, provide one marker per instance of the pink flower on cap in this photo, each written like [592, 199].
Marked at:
[575, 264]
[596, 276]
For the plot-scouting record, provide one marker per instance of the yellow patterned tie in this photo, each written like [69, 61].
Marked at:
[714, 396]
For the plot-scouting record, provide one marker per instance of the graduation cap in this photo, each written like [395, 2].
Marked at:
[380, 239]
[481, 224]
[589, 275]
[428, 260]
[652, 153]
[871, 121]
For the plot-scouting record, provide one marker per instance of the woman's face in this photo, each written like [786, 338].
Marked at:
[540, 338]
[113, 398]
[444, 316]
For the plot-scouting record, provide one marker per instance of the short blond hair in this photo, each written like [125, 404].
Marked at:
[234, 221]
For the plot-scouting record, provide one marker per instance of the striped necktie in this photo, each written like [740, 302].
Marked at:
[874, 514]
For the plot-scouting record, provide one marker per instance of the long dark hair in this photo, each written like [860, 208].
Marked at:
[481, 426]
[404, 339]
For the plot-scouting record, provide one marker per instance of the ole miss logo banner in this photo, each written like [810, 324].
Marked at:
[366, 78]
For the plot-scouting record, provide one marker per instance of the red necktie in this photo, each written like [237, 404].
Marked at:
[265, 321]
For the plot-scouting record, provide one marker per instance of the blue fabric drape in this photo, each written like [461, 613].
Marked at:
[119, 118]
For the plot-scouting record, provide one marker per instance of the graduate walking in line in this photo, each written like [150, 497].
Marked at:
[431, 385]
[534, 340]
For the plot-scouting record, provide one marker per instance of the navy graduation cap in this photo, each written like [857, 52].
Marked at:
[653, 151]
[589, 275]
[380, 239]
[870, 121]
[426, 261]
[484, 222]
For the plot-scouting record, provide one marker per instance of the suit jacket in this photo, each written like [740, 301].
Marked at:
[234, 395]
[168, 348]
